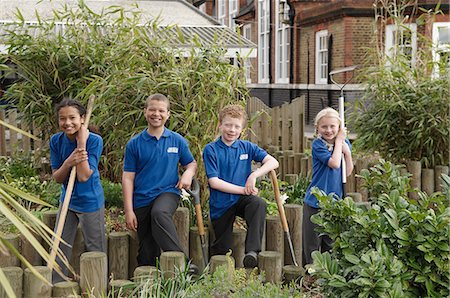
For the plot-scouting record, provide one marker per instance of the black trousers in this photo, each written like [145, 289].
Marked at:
[311, 239]
[253, 210]
[156, 230]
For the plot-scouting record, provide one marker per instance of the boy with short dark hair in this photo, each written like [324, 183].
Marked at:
[151, 186]
[228, 163]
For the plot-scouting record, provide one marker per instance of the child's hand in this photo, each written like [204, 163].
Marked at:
[131, 221]
[77, 156]
[184, 182]
[342, 134]
[250, 186]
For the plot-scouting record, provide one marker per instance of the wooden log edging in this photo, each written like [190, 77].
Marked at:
[65, 288]
[118, 252]
[275, 235]
[294, 216]
[34, 286]
[195, 247]
[145, 274]
[181, 222]
[269, 262]
[94, 273]
[172, 262]
[222, 260]
[238, 246]
[8, 259]
[15, 277]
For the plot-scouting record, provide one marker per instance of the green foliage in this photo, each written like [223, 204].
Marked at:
[385, 177]
[20, 171]
[267, 193]
[296, 192]
[113, 193]
[397, 248]
[404, 113]
[121, 65]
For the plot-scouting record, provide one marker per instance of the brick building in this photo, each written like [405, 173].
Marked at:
[300, 42]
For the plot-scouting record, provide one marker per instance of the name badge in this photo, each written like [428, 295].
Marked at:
[243, 157]
[172, 150]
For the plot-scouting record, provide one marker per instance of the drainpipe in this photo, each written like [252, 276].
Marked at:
[330, 48]
[291, 49]
[308, 68]
[270, 52]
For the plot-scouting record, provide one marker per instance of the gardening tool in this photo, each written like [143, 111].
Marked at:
[284, 223]
[67, 197]
[341, 115]
[195, 193]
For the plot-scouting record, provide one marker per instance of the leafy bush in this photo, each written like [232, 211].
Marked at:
[398, 247]
[296, 193]
[404, 112]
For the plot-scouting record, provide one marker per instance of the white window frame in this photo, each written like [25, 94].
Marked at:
[321, 65]
[263, 40]
[221, 11]
[392, 48]
[232, 13]
[247, 33]
[282, 41]
[437, 46]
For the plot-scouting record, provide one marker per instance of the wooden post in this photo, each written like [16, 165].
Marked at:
[281, 169]
[2, 134]
[351, 183]
[415, 168]
[427, 181]
[294, 215]
[297, 161]
[49, 218]
[118, 252]
[288, 167]
[181, 221]
[15, 277]
[29, 252]
[438, 171]
[359, 166]
[34, 287]
[143, 273]
[121, 288]
[292, 273]
[77, 250]
[270, 263]
[195, 247]
[238, 246]
[222, 260]
[291, 178]
[8, 259]
[356, 196]
[12, 115]
[133, 252]
[172, 262]
[65, 288]
[275, 235]
[94, 273]
[304, 166]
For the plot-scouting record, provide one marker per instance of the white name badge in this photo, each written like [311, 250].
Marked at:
[243, 157]
[172, 150]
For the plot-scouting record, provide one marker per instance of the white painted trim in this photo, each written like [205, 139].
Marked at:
[317, 66]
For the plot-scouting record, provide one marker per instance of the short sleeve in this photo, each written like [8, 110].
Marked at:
[186, 156]
[210, 161]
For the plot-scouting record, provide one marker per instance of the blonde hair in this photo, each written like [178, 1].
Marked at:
[234, 111]
[327, 112]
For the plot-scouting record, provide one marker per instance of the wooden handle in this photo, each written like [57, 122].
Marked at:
[67, 196]
[284, 224]
[198, 213]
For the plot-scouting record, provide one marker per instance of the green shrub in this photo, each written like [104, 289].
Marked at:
[113, 194]
[396, 235]
[404, 112]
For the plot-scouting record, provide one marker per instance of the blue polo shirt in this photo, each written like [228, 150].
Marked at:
[86, 196]
[325, 178]
[155, 163]
[232, 164]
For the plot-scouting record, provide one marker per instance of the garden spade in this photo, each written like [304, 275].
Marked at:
[195, 193]
[341, 115]
[284, 224]
[67, 197]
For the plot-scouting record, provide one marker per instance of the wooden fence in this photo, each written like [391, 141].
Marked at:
[12, 141]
